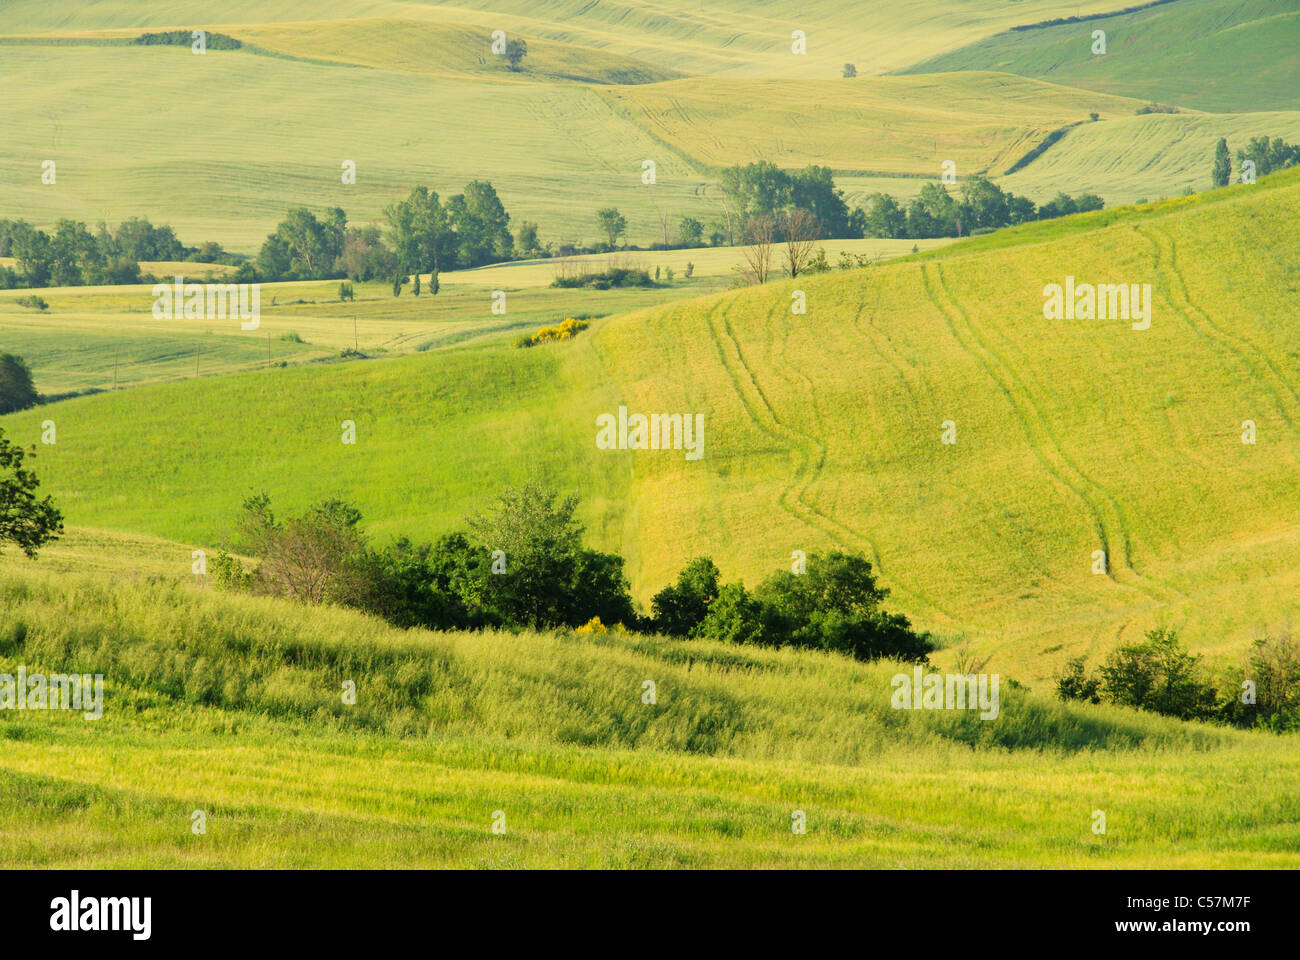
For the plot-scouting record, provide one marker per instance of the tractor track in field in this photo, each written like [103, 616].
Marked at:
[1261, 367]
[886, 351]
[1043, 442]
[812, 454]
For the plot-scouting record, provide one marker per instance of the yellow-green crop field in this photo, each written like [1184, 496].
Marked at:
[1029, 489]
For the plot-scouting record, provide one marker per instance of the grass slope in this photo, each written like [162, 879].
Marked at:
[91, 338]
[909, 125]
[694, 36]
[273, 133]
[231, 705]
[823, 430]
[1228, 55]
[1144, 157]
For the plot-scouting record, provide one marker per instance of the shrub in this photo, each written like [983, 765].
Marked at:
[33, 302]
[1158, 675]
[680, 608]
[319, 556]
[17, 389]
[567, 330]
[1074, 684]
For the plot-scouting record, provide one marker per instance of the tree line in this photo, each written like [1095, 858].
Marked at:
[1267, 155]
[1159, 675]
[74, 256]
[523, 565]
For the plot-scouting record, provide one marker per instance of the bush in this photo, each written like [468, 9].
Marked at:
[319, 556]
[1074, 684]
[834, 606]
[680, 608]
[33, 302]
[567, 330]
[17, 389]
[1158, 675]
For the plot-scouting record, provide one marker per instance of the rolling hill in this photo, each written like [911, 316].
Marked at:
[691, 36]
[1223, 55]
[824, 429]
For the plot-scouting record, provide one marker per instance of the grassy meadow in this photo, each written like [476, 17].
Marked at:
[1230, 55]
[551, 730]
[824, 431]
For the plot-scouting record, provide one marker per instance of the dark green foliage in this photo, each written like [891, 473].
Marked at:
[835, 605]
[1222, 171]
[612, 277]
[1269, 155]
[1155, 674]
[185, 38]
[304, 247]
[680, 608]
[24, 520]
[1074, 684]
[17, 389]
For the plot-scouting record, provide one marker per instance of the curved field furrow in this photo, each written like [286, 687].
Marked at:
[812, 455]
[1041, 441]
[1245, 346]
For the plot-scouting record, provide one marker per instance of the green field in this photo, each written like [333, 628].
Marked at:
[824, 430]
[693, 36]
[1222, 55]
[1144, 157]
[92, 338]
[449, 729]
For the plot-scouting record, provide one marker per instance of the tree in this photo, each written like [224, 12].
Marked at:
[516, 50]
[317, 557]
[760, 234]
[884, 216]
[1222, 171]
[17, 389]
[850, 70]
[689, 231]
[1158, 675]
[420, 232]
[481, 224]
[24, 520]
[399, 279]
[680, 608]
[986, 203]
[756, 189]
[526, 241]
[813, 189]
[800, 231]
[612, 222]
[415, 287]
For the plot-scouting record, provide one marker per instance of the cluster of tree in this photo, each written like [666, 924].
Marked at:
[611, 276]
[25, 519]
[425, 235]
[1267, 156]
[833, 604]
[185, 38]
[980, 206]
[17, 388]
[74, 256]
[1158, 675]
[524, 565]
[763, 190]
